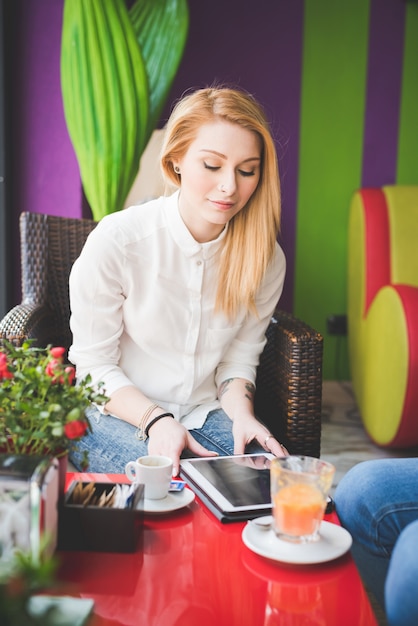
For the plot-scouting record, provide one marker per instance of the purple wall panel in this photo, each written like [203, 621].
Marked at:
[384, 77]
[285, 92]
[46, 158]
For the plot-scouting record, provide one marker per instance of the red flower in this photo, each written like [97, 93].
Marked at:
[57, 352]
[70, 371]
[75, 429]
[4, 372]
[53, 369]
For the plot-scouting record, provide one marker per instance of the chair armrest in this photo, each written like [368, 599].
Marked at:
[289, 384]
[28, 321]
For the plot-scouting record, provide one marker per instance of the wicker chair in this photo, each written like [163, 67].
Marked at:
[289, 380]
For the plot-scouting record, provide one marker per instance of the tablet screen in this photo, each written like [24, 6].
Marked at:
[242, 480]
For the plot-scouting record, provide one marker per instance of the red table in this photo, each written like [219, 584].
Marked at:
[196, 571]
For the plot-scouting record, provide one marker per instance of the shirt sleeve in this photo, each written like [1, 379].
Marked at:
[96, 301]
[243, 355]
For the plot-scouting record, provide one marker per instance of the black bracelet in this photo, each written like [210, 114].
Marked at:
[152, 422]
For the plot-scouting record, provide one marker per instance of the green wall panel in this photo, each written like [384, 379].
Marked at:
[407, 171]
[330, 162]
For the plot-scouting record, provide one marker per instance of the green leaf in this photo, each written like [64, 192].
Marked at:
[106, 98]
[161, 27]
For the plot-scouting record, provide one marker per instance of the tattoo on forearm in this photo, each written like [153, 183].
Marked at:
[250, 391]
[249, 387]
[224, 387]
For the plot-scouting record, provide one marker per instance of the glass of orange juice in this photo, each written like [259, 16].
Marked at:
[299, 489]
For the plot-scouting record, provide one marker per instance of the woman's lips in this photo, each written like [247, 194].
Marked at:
[222, 205]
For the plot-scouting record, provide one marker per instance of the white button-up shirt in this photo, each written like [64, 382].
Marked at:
[142, 299]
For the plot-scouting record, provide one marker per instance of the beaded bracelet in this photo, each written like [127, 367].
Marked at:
[152, 422]
[140, 431]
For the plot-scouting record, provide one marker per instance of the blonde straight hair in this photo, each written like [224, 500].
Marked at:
[250, 241]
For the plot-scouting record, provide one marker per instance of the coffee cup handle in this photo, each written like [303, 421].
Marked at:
[130, 470]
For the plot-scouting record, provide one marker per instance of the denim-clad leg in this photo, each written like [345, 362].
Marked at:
[401, 588]
[110, 446]
[375, 501]
[113, 443]
[216, 435]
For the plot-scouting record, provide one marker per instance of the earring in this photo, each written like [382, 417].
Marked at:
[177, 169]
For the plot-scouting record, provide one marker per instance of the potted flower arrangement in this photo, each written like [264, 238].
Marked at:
[42, 409]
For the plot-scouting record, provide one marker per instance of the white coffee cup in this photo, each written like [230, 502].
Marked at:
[152, 471]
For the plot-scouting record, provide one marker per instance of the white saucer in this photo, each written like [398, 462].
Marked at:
[334, 542]
[171, 502]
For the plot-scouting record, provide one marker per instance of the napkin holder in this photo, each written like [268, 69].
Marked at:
[101, 528]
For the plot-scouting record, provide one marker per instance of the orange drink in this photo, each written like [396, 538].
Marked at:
[299, 489]
[298, 509]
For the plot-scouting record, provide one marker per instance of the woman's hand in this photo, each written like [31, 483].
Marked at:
[237, 400]
[247, 428]
[169, 438]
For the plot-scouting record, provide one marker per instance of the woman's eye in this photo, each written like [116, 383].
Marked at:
[245, 173]
[214, 168]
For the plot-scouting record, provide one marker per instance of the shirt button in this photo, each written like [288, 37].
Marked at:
[198, 262]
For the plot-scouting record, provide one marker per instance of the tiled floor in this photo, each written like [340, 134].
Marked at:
[344, 441]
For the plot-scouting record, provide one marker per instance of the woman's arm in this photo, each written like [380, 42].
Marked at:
[166, 436]
[236, 373]
[236, 396]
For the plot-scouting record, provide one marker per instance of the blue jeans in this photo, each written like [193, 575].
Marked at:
[112, 442]
[377, 501]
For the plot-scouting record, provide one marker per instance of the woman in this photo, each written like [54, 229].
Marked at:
[171, 299]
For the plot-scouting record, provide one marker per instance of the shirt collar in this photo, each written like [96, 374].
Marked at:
[181, 234]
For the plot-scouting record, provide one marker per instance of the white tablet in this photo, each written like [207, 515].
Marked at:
[232, 487]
